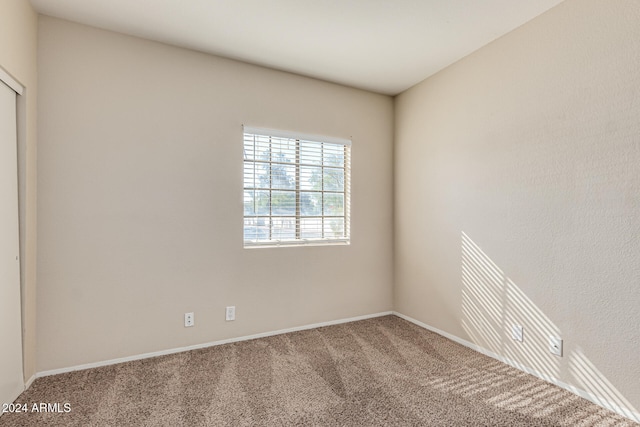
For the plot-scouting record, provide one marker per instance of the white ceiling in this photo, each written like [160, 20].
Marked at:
[385, 46]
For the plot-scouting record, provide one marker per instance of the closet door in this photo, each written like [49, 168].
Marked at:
[11, 376]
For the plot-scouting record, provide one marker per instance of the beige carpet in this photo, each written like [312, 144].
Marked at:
[377, 372]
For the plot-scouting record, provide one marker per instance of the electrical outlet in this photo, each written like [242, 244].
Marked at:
[517, 333]
[189, 320]
[555, 346]
[230, 313]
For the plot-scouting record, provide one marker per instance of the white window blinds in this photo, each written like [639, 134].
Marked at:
[296, 189]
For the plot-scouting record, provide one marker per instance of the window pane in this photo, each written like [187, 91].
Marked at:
[256, 203]
[310, 178]
[333, 204]
[249, 203]
[261, 202]
[333, 179]
[310, 203]
[283, 203]
[283, 228]
[311, 228]
[283, 150]
[334, 228]
[333, 155]
[310, 153]
[249, 175]
[248, 147]
[262, 175]
[283, 176]
[262, 148]
[256, 228]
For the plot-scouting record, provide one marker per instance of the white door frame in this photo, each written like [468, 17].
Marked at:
[11, 82]
[11, 356]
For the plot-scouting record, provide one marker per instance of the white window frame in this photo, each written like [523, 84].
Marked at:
[298, 240]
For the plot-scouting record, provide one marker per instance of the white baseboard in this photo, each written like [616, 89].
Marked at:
[30, 381]
[204, 345]
[632, 415]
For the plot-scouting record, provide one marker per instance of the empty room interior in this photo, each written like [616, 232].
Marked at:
[320, 213]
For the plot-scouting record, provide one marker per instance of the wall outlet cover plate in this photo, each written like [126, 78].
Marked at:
[189, 320]
[517, 333]
[555, 346]
[230, 313]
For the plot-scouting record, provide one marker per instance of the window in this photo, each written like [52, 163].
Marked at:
[296, 189]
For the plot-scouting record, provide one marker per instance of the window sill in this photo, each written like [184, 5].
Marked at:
[291, 244]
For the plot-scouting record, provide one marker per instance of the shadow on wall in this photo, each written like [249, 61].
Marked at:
[492, 304]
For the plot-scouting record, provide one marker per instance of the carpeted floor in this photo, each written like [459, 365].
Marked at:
[378, 372]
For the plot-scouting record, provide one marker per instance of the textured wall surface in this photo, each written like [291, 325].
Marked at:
[140, 203]
[18, 56]
[517, 189]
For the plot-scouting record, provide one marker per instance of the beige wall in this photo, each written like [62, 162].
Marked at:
[18, 37]
[140, 203]
[516, 198]
[517, 190]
